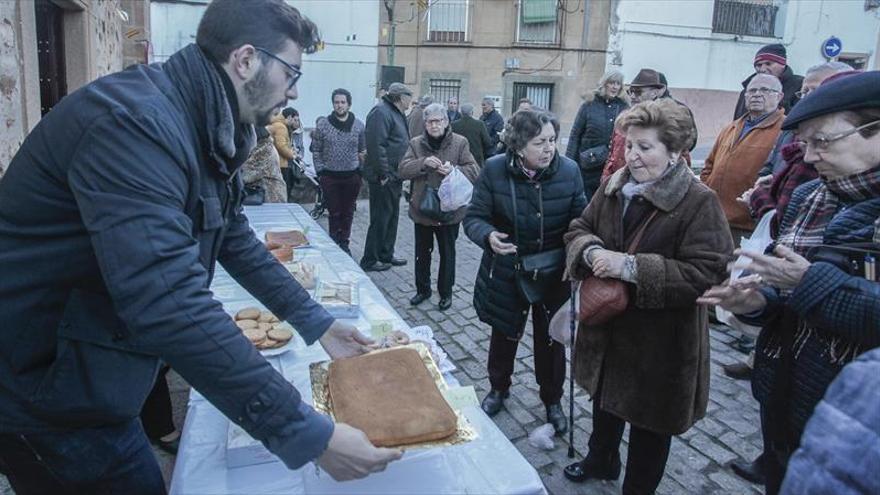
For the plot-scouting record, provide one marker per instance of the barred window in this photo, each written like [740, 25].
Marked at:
[538, 21]
[745, 17]
[541, 95]
[443, 89]
[448, 21]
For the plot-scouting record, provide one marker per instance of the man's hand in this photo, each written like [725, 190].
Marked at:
[344, 340]
[734, 297]
[350, 455]
[433, 162]
[607, 264]
[763, 181]
[496, 242]
[782, 272]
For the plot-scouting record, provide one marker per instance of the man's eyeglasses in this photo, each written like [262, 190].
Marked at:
[291, 78]
[763, 91]
[822, 142]
[435, 122]
[637, 92]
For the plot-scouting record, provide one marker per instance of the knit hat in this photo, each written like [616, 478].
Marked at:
[399, 89]
[773, 53]
[852, 92]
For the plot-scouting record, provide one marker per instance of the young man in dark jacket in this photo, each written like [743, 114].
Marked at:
[109, 236]
[771, 59]
[387, 137]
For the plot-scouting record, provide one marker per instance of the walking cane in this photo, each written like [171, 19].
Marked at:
[571, 327]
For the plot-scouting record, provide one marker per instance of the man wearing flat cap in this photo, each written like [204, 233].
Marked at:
[771, 59]
[387, 137]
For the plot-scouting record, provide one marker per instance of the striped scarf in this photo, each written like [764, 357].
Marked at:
[814, 215]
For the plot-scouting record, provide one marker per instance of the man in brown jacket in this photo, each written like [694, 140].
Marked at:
[742, 148]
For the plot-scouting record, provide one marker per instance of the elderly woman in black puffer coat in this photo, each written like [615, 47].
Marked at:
[522, 204]
[590, 139]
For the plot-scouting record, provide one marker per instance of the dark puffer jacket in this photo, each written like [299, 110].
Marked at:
[552, 199]
[593, 127]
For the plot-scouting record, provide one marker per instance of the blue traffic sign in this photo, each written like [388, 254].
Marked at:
[832, 47]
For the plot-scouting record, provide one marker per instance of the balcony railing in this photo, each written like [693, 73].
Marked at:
[745, 17]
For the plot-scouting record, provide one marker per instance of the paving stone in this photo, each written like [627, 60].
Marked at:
[710, 448]
[537, 458]
[509, 425]
[742, 447]
[475, 370]
[455, 352]
[733, 484]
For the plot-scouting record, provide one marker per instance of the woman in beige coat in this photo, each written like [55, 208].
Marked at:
[430, 157]
[648, 366]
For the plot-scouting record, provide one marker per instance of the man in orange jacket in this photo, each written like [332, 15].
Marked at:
[742, 148]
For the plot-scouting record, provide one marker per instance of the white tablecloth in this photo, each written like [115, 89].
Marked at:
[489, 464]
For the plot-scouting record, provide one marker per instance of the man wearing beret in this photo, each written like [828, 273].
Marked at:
[771, 59]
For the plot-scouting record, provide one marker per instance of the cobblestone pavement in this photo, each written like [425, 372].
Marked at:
[698, 458]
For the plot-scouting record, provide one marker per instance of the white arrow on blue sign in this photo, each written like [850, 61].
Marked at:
[832, 47]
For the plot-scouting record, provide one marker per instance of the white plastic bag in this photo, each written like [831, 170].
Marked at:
[455, 191]
[542, 437]
[758, 241]
[560, 324]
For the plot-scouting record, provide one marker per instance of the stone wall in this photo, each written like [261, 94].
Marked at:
[93, 39]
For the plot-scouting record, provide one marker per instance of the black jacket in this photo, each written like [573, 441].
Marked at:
[477, 135]
[112, 216]
[494, 124]
[791, 84]
[592, 128]
[387, 136]
[552, 199]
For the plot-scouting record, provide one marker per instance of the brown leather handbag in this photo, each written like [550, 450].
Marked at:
[604, 298]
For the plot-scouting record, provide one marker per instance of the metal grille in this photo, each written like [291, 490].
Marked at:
[745, 17]
[533, 25]
[443, 89]
[447, 21]
[541, 95]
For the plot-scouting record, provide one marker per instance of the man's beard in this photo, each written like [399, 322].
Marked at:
[256, 91]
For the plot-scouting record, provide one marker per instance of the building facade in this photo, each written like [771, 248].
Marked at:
[49, 48]
[348, 59]
[552, 52]
[706, 47]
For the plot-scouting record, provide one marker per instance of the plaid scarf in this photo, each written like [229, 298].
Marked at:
[819, 208]
[813, 217]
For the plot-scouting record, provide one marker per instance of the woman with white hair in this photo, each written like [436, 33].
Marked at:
[593, 127]
[432, 156]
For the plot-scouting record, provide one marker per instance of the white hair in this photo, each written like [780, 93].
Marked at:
[435, 109]
[828, 67]
[467, 109]
[775, 83]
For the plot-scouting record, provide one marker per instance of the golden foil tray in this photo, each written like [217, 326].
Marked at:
[318, 373]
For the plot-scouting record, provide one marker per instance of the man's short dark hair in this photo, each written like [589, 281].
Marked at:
[289, 112]
[268, 24]
[343, 92]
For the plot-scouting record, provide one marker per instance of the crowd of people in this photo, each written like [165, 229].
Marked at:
[109, 238]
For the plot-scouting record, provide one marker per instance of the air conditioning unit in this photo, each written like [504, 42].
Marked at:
[511, 63]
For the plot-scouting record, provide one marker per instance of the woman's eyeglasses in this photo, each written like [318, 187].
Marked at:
[291, 78]
[823, 142]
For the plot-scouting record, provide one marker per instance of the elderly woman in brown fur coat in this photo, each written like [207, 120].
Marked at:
[649, 365]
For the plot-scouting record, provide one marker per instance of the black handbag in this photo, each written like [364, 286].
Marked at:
[253, 195]
[592, 158]
[536, 274]
[430, 205]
